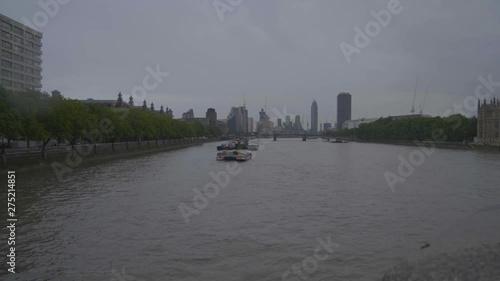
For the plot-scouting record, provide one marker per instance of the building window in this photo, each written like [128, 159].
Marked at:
[18, 49]
[29, 70]
[18, 67]
[38, 39]
[6, 25]
[29, 35]
[6, 73]
[37, 48]
[29, 44]
[6, 44]
[6, 54]
[29, 53]
[29, 61]
[18, 40]
[18, 58]
[6, 34]
[18, 85]
[18, 76]
[6, 83]
[6, 63]
[29, 78]
[38, 73]
[17, 30]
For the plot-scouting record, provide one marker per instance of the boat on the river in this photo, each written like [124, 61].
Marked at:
[234, 144]
[234, 155]
[253, 145]
[334, 140]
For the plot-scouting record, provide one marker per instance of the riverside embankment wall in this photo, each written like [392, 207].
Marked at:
[438, 144]
[25, 158]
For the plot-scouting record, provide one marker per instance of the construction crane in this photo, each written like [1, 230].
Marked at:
[423, 103]
[414, 95]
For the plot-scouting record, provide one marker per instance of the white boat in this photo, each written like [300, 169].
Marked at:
[253, 145]
[334, 140]
[234, 155]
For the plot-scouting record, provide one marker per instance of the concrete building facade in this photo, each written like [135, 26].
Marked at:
[21, 56]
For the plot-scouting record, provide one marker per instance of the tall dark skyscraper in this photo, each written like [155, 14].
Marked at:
[343, 109]
[212, 115]
[314, 117]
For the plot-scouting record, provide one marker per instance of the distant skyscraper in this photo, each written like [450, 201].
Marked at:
[279, 122]
[237, 120]
[212, 115]
[250, 124]
[297, 126]
[262, 115]
[244, 119]
[314, 117]
[343, 109]
[234, 120]
[297, 119]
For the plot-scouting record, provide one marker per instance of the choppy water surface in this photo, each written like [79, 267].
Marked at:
[120, 220]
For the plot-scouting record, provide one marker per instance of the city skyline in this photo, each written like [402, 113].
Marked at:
[222, 55]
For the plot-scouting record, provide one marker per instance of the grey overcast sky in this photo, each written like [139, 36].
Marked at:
[284, 51]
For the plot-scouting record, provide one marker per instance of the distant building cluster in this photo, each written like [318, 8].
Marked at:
[488, 122]
[289, 127]
[120, 103]
[188, 115]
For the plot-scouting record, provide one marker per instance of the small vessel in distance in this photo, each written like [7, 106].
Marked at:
[335, 140]
[234, 144]
[235, 150]
[253, 145]
[234, 155]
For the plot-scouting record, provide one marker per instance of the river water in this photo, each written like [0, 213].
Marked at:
[120, 220]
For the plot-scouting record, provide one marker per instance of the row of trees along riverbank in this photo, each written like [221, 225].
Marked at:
[38, 116]
[454, 128]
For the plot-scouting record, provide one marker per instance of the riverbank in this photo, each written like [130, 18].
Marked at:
[437, 144]
[69, 157]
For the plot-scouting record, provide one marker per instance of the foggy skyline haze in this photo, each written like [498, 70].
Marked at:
[285, 52]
